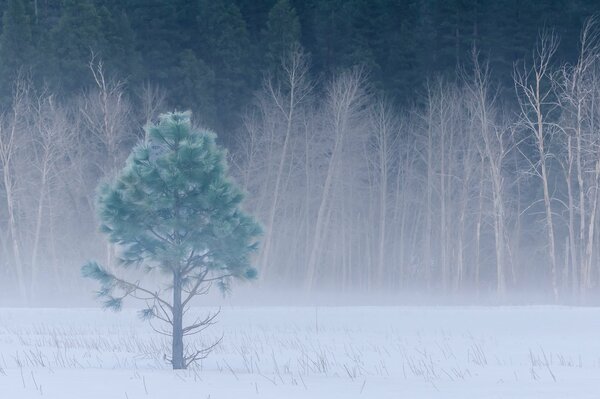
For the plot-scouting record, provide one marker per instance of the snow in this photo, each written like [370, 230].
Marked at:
[307, 352]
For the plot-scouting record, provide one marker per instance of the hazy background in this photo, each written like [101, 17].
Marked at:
[394, 151]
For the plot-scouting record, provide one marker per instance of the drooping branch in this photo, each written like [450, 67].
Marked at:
[201, 324]
[200, 354]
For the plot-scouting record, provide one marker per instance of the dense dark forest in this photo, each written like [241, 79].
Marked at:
[210, 55]
[425, 146]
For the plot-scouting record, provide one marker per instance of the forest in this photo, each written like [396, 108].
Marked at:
[395, 146]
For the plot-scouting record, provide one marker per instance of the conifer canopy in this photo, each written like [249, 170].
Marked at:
[173, 209]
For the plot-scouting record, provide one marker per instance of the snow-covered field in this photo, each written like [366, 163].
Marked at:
[304, 352]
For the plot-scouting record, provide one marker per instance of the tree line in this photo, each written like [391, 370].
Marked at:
[210, 55]
[464, 192]
[475, 185]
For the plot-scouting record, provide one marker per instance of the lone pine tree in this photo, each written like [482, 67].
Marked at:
[173, 212]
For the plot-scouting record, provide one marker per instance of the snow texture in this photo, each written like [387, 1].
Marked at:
[304, 352]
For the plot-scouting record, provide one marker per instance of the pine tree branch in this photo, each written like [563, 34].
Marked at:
[200, 325]
[224, 276]
[161, 238]
[194, 291]
[201, 353]
[136, 287]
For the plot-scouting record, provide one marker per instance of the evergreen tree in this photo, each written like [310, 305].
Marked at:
[400, 74]
[504, 36]
[160, 39]
[118, 50]
[332, 23]
[425, 38]
[197, 88]
[226, 48]
[446, 15]
[402, 43]
[282, 33]
[77, 34]
[174, 212]
[369, 46]
[256, 14]
[16, 44]
[349, 33]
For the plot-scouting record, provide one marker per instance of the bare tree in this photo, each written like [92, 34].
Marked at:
[385, 132]
[577, 87]
[52, 134]
[494, 151]
[441, 152]
[345, 102]
[286, 94]
[105, 112]
[153, 100]
[535, 100]
[10, 123]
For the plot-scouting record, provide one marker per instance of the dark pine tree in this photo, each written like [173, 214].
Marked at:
[226, 48]
[332, 34]
[282, 33]
[197, 88]
[77, 35]
[16, 44]
[160, 39]
[401, 75]
[119, 52]
[174, 213]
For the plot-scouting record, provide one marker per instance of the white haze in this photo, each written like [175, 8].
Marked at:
[288, 352]
[387, 229]
[473, 193]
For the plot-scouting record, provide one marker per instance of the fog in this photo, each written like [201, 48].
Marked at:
[292, 199]
[466, 196]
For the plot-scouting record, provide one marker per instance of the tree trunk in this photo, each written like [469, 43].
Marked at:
[429, 194]
[38, 229]
[14, 234]
[478, 231]
[177, 351]
[276, 190]
[589, 249]
[442, 220]
[571, 204]
[582, 206]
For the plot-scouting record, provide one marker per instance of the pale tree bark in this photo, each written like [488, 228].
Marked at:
[443, 177]
[534, 94]
[576, 86]
[287, 95]
[405, 165]
[52, 135]
[572, 266]
[429, 186]
[478, 225]
[10, 133]
[106, 113]
[385, 133]
[589, 247]
[441, 117]
[153, 101]
[470, 164]
[494, 152]
[345, 99]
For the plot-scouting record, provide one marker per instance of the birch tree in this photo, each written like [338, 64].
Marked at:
[534, 92]
[344, 105]
[11, 122]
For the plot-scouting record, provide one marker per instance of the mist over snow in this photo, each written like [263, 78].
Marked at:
[299, 199]
[274, 352]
